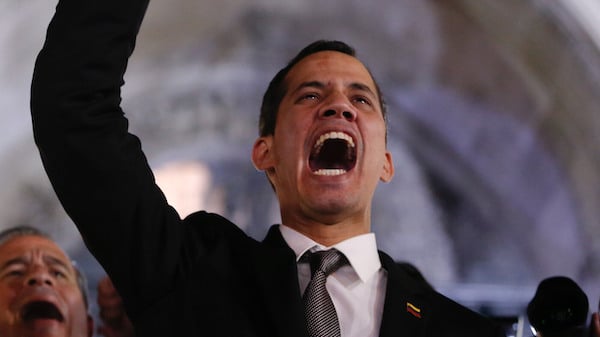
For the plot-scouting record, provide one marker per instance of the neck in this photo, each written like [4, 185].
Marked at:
[325, 233]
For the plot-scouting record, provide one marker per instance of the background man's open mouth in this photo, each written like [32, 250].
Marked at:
[41, 310]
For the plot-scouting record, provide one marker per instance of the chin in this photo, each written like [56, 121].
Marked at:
[333, 204]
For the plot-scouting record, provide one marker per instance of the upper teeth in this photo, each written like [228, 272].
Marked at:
[334, 135]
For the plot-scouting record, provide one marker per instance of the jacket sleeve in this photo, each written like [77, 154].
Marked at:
[96, 167]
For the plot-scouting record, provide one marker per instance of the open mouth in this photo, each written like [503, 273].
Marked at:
[41, 310]
[333, 154]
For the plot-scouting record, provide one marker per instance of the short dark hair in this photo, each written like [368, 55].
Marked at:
[277, 87]
[23, 230]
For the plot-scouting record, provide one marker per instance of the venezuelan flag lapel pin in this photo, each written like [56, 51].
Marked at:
[413, 310]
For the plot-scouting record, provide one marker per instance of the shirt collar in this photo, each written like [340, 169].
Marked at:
[361, 250]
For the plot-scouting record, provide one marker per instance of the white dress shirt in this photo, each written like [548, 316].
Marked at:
[357, 290]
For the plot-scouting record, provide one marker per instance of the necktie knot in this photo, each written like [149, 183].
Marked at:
[326, 261]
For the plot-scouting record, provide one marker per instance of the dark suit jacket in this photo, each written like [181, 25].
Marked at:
[200, 276]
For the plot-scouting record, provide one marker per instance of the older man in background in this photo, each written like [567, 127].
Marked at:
[41, 292]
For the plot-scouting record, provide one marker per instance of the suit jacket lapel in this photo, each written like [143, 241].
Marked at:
[278, 276]
[405, 309]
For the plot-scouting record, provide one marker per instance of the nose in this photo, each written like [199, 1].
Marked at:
[39, 277]
[339, 107]
[346, 114]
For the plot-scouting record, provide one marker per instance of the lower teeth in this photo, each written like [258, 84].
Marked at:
[330, 172]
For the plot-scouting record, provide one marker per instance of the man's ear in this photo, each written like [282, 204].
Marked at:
[262, 154]
[388, 168]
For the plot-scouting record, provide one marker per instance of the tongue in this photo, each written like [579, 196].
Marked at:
[42, 323]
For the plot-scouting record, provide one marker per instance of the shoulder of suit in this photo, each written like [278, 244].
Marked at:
[444, 312]
[405, 268]
[211, 228]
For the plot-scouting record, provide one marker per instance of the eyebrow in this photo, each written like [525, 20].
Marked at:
[321, 85]
[50, 260]
[54, 261]
[363, 87]
[13, 261]
[309, 84]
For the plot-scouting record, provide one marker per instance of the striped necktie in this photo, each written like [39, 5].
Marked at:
[320, 314]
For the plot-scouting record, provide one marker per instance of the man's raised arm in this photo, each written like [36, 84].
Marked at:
[96, 167]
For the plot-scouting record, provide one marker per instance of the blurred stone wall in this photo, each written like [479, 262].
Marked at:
[493, 126]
